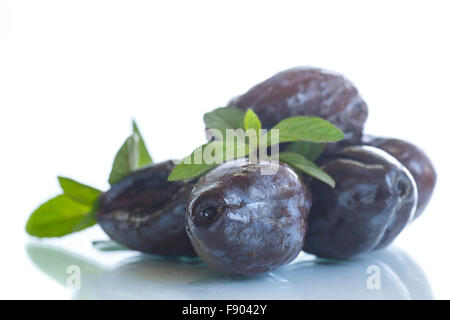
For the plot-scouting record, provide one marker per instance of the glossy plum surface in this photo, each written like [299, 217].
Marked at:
[416, 161]
[307, 91]
[242, 222]
[146, 212]
[373, 200]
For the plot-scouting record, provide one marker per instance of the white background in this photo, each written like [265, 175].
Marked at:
[74, 73]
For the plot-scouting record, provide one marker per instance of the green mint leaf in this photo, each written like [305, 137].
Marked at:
[184, 171]
[191, 166]
[251, 121]
[310, 150]
[224, 118]
[206, 157]
[310, 129]
[108, 245]
[126, 160]
[78, 191]
[144, 155]
[57, 217]
[300, 163]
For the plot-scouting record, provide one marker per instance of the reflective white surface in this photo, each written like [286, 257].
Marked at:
[147, 277]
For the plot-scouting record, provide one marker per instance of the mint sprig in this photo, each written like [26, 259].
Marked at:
[75, 209]
[308, 134]
[303, 165]
[304, 134]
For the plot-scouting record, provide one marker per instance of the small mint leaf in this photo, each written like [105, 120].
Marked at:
[108, 245]
[206, 157]
[89, 219]
[310, 150]
[224, 118]
[57, 217]
[310, 129]
[251, 121]
[144, 155]
[300, 163]
[78, 191]
[126, 159]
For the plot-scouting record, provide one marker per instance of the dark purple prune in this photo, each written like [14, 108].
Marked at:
[415, 160]
[246, 223]
[306, 91]
[146, 212]
[373, 200]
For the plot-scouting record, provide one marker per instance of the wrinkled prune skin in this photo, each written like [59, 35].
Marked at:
[306, 91]
[145, 212]
[415, 160]
[373, 200]
[244, 223]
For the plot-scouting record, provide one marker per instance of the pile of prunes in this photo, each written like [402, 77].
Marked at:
[239, 221]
